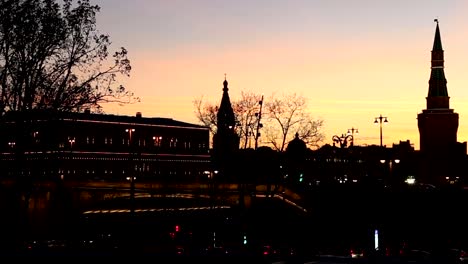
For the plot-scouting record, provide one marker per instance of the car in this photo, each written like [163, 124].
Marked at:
[356, 252]
[360, 248]
[451, 256]
[462, 256]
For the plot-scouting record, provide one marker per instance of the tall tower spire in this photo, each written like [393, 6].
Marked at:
[225, 139]
[438, 124]
[226, 119]
[437, 96]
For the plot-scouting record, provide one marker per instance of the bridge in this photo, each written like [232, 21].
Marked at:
[124, 196]
[90, 194]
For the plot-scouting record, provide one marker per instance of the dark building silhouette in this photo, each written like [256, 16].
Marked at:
[87, 146]
[296, 153]
[441, 154]
[364, 166]
[225, 139]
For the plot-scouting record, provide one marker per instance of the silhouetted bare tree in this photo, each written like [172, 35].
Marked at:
[245, 110]
[206, 113]
[53, 57]
[287, 116]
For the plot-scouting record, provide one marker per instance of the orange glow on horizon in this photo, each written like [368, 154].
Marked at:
[347, 78]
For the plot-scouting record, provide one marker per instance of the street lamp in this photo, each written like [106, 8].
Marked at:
[71, 140]
[211, 174]
[351, 132]
[379, 120]
[157, 141]
[343, 140]
[12, 145]
[130, 131]
[131, 178]
[391, 163]
[259, 125]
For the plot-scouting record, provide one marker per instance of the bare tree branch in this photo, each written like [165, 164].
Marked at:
[206, 113]
[287, 116]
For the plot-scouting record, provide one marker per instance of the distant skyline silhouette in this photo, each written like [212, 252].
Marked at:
[352, 61]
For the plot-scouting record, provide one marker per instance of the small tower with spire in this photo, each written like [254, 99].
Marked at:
[438, 124]
[225, 116]
[225, 139]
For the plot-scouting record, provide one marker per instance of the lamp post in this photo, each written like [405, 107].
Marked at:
[211, 174]
[12, 144]
[131, 178]
[157, 141]
[342, 155]
[71, 140]
[130, 132]
[343, 140]
[259, 125]
[391, 163]
[352, 131]
[379, 120]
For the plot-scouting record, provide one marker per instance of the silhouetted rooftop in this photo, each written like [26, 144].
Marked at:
[137, 119]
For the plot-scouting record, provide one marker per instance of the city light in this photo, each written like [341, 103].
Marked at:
[376, 239]
[410, 180]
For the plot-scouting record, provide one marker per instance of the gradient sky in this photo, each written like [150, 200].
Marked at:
[352, 60]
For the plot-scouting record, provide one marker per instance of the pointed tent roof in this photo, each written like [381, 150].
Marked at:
[437, 42]
[225, 112]
[437, 81]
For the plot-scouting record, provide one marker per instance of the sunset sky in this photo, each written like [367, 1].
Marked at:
[352, 60]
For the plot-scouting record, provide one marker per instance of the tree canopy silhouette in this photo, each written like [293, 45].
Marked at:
[53, 57]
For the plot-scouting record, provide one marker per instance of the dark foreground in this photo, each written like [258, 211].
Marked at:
[413, 227]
